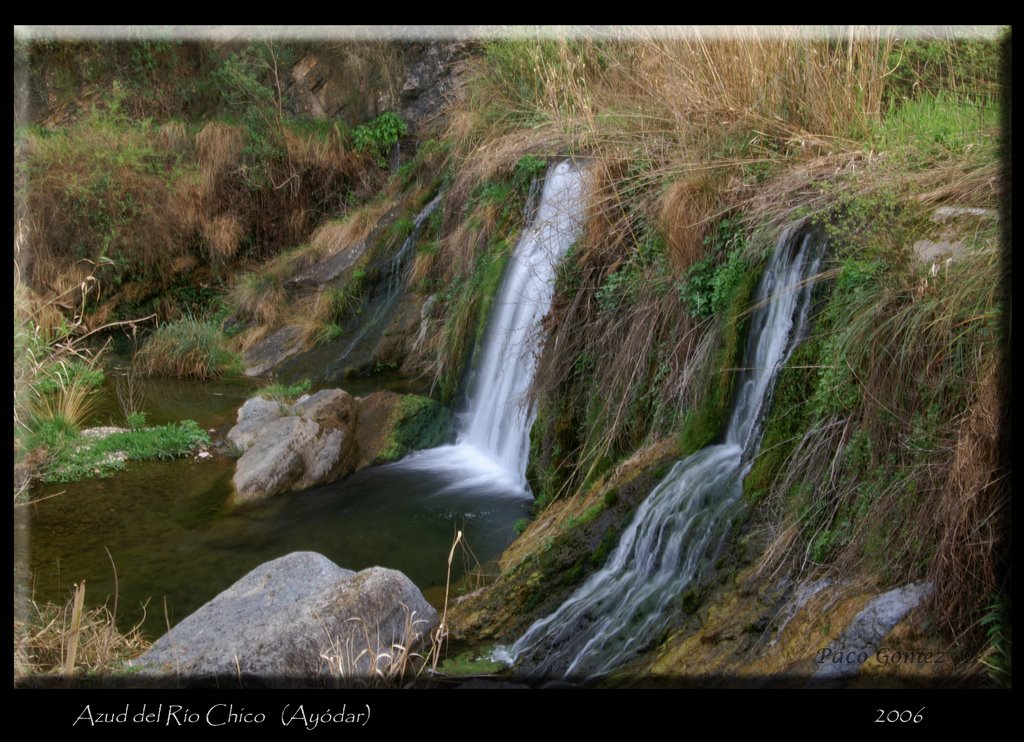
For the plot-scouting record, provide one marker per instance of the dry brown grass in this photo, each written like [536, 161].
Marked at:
[223, 235]
[313, 150]
[337, 234]
[688, 211]
[173, 137]
[973, 511]
[259, 298]
[219, 149]
[51, 640]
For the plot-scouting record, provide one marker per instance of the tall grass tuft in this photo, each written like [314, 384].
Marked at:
[187, 348]
[52, 640]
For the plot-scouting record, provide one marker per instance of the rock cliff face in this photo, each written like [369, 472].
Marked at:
[358, 82]
[297, 620]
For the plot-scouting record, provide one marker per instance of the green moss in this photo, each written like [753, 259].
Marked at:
[475, 662]
[417, 423]
[587, 516]
[608, 543]
[467, 319]
[702, 426]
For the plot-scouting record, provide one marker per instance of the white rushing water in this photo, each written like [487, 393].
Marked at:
[679, 528]
[493, 440]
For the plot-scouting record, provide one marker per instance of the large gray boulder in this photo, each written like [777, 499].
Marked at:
[328, 435]
[253, 417]
[297, 620]
[293, 447]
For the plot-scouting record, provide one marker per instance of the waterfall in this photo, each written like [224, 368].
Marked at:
[496, 421]
[493, 432]
[681, 525]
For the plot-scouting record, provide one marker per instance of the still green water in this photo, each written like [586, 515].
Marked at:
[177, 541]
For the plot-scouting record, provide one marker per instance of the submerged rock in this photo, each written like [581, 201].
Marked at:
[298, 619]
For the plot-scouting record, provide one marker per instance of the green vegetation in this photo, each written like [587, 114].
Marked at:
[416, 423]
[706, 421]
[72, 457]
[998, 655]
[285, 393]
[379, 136]
[476, 662]
[937, 128]
[60, 377]
[711, 281]
[188, 348]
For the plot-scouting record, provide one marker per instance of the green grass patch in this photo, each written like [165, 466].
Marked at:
[73, 457]
[475, 662]
[587, 516]
[285, 393]
[937, 127]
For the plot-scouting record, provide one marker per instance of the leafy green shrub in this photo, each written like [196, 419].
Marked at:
[710, 282]
[377, 137]
[74, 372]
[136, 420]
[527, 169]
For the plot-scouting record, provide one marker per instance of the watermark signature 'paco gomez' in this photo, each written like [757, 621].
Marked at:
[885, 656]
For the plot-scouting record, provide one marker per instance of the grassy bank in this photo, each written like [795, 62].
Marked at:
[700, 150]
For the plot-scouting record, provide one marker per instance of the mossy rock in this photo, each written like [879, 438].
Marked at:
[391, 425]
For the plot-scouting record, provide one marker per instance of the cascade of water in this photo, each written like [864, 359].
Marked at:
[679, 528]
[493, 432]
[496, 421]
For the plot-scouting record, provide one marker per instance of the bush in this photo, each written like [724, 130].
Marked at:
[189, 348]
[710, 282]
[378, 136]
